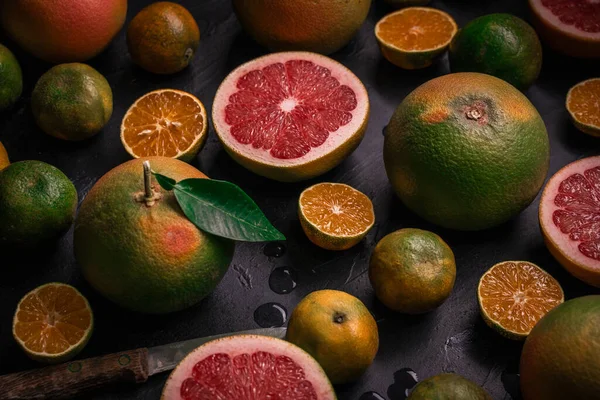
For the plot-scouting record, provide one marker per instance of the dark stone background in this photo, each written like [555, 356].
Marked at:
[452, 338]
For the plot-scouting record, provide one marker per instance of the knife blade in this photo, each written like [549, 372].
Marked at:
[166, 357]
[74, 378]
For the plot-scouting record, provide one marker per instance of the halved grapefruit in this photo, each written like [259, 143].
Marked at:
[291, 116]
[570, 218]
[571, 27]
[248, 367]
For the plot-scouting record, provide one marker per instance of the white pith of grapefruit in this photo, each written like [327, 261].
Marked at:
[304, 373]
[291, 116]
[570, 218]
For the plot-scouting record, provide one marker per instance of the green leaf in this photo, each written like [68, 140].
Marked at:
[221, 208]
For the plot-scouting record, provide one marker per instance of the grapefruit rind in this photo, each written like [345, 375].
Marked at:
[568, 255]
[317, 161]
[593, 130]
[328, 241]
[60, 357]
[562, 37]
[413, 59]
[497, 326]
[186, 155]
[240, 344]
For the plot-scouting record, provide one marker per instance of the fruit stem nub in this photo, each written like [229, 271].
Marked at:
[149, 194]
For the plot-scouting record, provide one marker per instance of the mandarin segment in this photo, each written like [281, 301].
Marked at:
[335, 216]
[168, 123]
[515, 295]
[583, 104]
[53, 323]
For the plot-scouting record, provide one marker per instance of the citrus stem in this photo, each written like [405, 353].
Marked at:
[148, 192]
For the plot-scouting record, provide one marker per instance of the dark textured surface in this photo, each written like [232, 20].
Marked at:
[452, 338]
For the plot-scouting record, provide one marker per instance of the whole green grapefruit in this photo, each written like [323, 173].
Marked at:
[37, 204]
[61, 31]
[466, 151]
[561, 356]
[448, 387]
[72, 102]
[501, 45]
[145, 255]
[11, 78]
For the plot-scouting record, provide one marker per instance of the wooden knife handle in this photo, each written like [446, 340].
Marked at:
[76, 377]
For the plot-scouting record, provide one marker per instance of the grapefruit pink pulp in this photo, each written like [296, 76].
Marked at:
[291, 116]
[247, 367]
[569, 26]
[570, 218]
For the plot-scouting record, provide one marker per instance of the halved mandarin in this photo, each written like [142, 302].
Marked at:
[414, 37]
[335, 216]
[53, 323]
[168, 123]
[583, 103]
[514, 295]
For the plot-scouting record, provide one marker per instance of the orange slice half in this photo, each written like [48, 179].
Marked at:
[583, 103]
[166, 122]
[335, 216]
[515, 295]
[414, 37]
[53, 323]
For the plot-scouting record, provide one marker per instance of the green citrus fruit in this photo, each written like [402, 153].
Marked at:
[466, 151]
[338, 331]
[53, 323]
[302, 25]
[11, 78]
[501, 45]
[163, 38]
[4, 161]
[412, 271]
[448, 387]
[37, 203]
[560, 358]
[72, 101]
[145, 254]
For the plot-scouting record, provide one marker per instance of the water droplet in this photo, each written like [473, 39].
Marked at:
[371, 396]
[283, 280]
[404, 380]
[270, 315]
[274, 249]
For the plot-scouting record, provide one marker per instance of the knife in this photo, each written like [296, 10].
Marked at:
[135, 366]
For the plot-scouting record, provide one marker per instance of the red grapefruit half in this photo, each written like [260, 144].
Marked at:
[248, 367]
[571, 27]
[570, 218]
[291, 116]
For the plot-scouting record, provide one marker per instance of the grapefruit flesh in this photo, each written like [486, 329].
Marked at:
[291, 116]
[570, 218]
[247, 367]
[569, 26]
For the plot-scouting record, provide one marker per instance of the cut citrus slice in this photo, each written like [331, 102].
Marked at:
[53, 323]
[335, 216]
[583, 103]
[570, 218]
[414, 37]
[166, 122]
[291, 116]
[514, 295]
